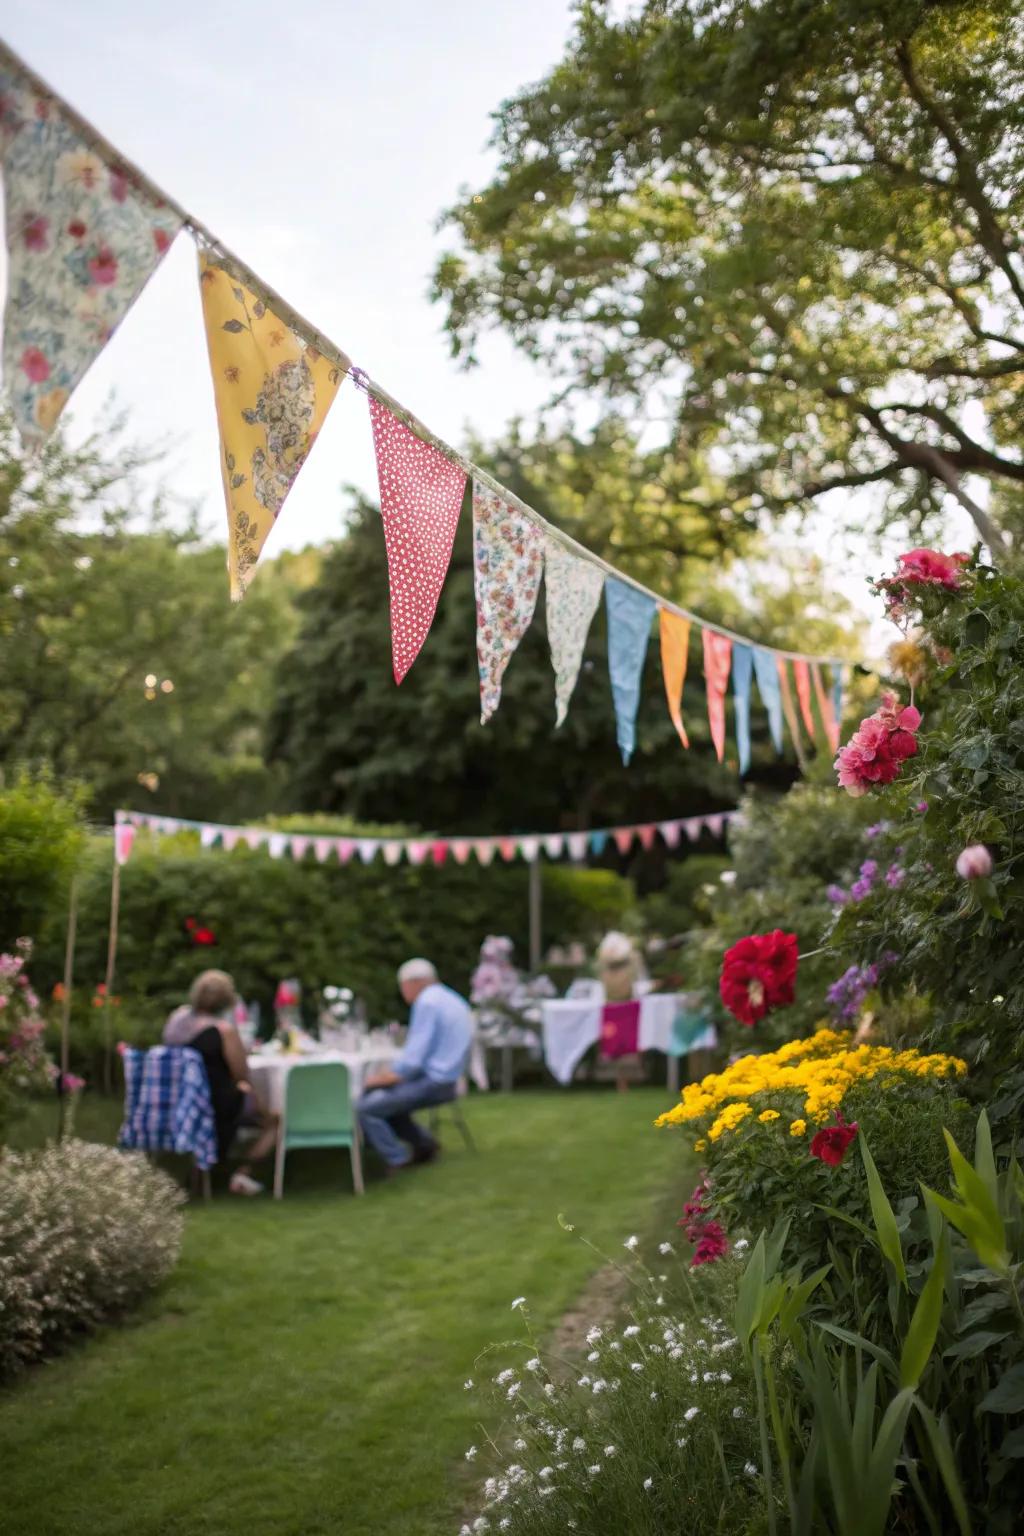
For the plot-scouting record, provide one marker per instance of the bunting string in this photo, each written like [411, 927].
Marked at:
[424, 849]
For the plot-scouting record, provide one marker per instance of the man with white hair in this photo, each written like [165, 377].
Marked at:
[426, 1073]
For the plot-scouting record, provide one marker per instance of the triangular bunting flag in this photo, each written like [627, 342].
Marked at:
[277, 844]
[439, 851]
[231, 838]
[254, 838]
[554, 844]
[485, 848]
[124, 839]
[508, 558]
[647, 834]
[577, 843]
[83, 238]
[598, 842]
[670, 831]
[717, 654]
[802, 674]
[461, 848]
[508, 847]
[788, 707]
[322, 849]
[208, 836]
[767, 675]
[742, 674]
[629, 629]
[299, 847]
[417, 852]
[345, 847]
[693, 826]
[392, 853]
[529, 847]
[421, 493]
[572, 591]
[623, 838]
[825, 708]
[367, 849]
[675, 650]
[715, 824]
[272, 393]
[837, 697]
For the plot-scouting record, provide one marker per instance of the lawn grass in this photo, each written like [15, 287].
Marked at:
[301, 1373]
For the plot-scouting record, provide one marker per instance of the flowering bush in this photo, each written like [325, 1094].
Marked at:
[654, 1431]
[85, 1231]
[25, 1066]
[759, 975]
[920, 568]
[879, 747]
[769, 1129]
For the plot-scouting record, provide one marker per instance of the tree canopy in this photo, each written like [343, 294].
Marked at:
[801, 221]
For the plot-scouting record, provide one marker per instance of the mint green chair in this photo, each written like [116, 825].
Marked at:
[318, 1112]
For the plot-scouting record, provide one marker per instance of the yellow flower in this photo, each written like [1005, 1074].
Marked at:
[798, 1128]
[729, 1119]
[700, 1146]
[768, 1115]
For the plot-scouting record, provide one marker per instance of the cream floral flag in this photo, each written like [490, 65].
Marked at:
[573, 590]
[273, 393]
[508, 558]
[82, 240]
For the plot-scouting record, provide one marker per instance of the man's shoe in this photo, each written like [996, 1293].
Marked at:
[427, 1154]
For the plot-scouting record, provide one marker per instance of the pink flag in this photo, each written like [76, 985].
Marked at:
[647, 835]
[670, 831]
[322, 848]
[230, 838]
[578, 843]
[692, 827]
[439, 851]
[715, 824]
[124, 837]
[461, 847]
[254, 837]
[508, 848]
[418, 852]
[421, 493]
[345, 848]
[717, 660]
[299, 847]
[623, 838]
[802, 673]
[485, 848]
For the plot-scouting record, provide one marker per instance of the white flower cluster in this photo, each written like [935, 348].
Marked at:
[85, 1232]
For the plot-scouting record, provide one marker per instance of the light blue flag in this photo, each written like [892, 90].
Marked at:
[742, 672]
[597, 842]
[767, 673]
[630, 614]
[837, 694]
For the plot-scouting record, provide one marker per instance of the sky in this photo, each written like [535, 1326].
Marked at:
[320, 141]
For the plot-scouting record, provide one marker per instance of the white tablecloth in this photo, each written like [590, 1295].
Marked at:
[572, 1025]
[268, 1071]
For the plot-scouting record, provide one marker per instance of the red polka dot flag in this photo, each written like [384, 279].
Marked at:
[421, 492]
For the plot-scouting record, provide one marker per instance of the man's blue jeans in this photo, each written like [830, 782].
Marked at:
[385, 1115]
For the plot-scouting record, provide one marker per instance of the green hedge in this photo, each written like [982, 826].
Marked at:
[350, 926]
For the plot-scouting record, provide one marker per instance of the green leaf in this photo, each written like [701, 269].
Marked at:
[924, 1325]
[749, 1293]
[859, 1342]
[775, 1244]
[974, 1344]
[946, 1462]
[977, 1233]
[885, 1221]
[1007, 1396]
[1013, 1444]
[798, 1297]
[984, 1157]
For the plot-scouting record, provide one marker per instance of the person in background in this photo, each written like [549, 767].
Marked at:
[204, 1025]
[426, 1073]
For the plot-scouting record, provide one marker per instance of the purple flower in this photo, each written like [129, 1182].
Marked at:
[847, 994]
[836, 895]
[859, 889]
[894, 877]
[875, 831]
[922, 806]
[869, 869]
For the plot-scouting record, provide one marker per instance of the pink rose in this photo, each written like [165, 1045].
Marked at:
[103, 267]
[34, 365]
[35, 232]
[877, 748]
[974, 863]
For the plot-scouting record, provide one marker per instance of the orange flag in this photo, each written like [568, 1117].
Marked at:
[788, 708]
[825, 707]
[675, 648]
[717, 659]
[802, 673]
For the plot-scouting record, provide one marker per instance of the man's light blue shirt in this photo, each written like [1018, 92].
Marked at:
[440, 1031]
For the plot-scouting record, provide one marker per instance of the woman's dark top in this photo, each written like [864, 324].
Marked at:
[226, 1096]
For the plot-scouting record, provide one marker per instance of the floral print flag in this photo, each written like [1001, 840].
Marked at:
[421, 492]
[272, 393]
[572, 592]
[508, 558]
[717, 659]
[83, 238]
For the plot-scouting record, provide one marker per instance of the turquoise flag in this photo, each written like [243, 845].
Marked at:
[742, 672]
[630, 614]
[597, 841]
[837, 694]
[767, 673]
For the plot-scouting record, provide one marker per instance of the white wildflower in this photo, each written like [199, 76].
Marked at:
[546, 1472]
[632, 1243]
[660, 1300]
[616, 1385]
[549, 1390]
[681, 1441]
[675, 1353]
[691, 1414]
[664, 1248]
[595, 1469]
[471, 1453]
[648, 1483]
[599, 1386]
[631, 1332]
[595, 1354]
[505, 1523]
[611, 1450]
[737, 1413]
[636, 1365]
[513, 1391]
[467, 1386]
[655, 1349]
[533, 1365]
[504, 1376]
[724, 1376]
[710, 1376]
[593, 1335]
[584, 1381]
[615, 1344]
[750, 1469]
[579, 1444]
[740, 1244]
[654, 1397]
[520, 1301]
[519, 1445]
[548, 1488]
[481, 1524]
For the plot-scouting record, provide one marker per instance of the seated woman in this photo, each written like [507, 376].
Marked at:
[201, 1024]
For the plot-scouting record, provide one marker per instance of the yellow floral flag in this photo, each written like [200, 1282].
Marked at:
[273, 393]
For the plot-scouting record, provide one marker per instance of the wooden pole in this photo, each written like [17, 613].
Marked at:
[536, 899]
[115, 907]
[65, 1007]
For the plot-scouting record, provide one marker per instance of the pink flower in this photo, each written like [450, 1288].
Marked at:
[71, 1083]
[927, 567]
[34, 365]
[877, 748]
[713, 1244]
[77, 229]
[35, 232]
[118, 186]
[974, 863]
[103, 267]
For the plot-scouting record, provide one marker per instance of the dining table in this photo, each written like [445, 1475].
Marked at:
[269, 1068]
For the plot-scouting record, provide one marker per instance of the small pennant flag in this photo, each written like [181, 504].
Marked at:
[554, 844]
[392, 853]
[717, 655]
[629, 629]
[124, 838]
[802, 674]
[837, 696]
[322, 847]
[825, 707]
[670, 831]
[647, 834]
[572, 589]
[623, 838]
[529, 847]
[421, 492]
[277, 845]
[367, 847]
[767, 675]
[299, 846]
[208, 836]
[675, 650]
[418, 852]
[742, 675]
[272, 393]
[485, 848]
[788, 707]
[461, 849]
[577, 843]
[83, 239]
[508, 558]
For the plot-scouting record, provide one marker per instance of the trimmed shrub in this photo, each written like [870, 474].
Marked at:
[41, 839]
[322, 923]
[85, 1232]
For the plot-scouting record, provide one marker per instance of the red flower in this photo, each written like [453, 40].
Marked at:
[161, 239]
[35, 232]
[712, 1244]
[35, 365]
[77, 229]
[877, 748]
[103, 267]
[759, 974]
[203, 936]
[831, 1143]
